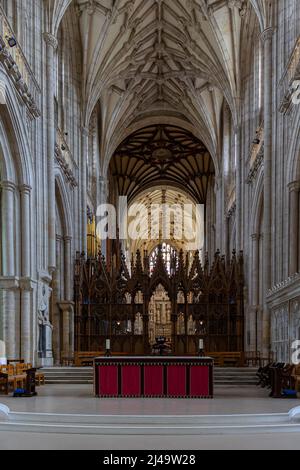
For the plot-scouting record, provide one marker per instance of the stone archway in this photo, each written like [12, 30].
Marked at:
[62, 306]
[17, 290]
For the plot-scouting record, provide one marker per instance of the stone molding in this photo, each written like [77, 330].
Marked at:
[294, 186]
[25, 189]
[267, 35]
[258, 163]
[256, 237]
[18, 81]
[27, 284]
[231, 211]
[65, 167]
[66, 306]
[85, 131]
[287, 289]
[9, 283]
[8, 186]
[50, 40]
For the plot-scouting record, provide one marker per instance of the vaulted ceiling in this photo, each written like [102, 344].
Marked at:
[148, 58]
[162, 155]
[173, 60]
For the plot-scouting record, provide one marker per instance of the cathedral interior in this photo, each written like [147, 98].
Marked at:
[111, 110]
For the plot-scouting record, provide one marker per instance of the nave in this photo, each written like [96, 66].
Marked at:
[149, 223]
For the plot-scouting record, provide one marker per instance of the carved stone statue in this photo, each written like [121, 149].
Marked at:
[3, 360]
[45, 333]
[138, 325]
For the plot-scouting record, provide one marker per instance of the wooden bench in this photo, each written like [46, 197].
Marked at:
[228, 359]
[86, 359]
[253, 358]
[14, 376]
[14, 380]
[20, 369]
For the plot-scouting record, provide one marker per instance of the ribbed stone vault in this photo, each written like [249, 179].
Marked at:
[149, 58]
[162, 155]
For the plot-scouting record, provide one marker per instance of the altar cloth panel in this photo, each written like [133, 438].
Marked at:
[154, 381]
[108, 381]
[131, 381]
[135, 377]
[199, 381]
[177, 381]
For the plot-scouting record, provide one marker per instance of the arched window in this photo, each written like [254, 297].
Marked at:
[167, 252]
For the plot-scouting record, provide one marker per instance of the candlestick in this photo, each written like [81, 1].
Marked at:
[201, 348]
[107, 344]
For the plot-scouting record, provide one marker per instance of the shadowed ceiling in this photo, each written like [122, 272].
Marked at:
[162, 155]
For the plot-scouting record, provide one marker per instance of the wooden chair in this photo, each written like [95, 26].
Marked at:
[10, 373]
[40, 378]
[296, 377]
[20, 375]
[4, 386]
[228, 359]
[253, 358]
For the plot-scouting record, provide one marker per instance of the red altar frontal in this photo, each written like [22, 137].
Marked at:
[153, 377]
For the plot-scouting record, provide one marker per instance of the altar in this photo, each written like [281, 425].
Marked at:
[153, 377]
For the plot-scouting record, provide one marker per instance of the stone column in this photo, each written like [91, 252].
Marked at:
[26, 288]
[239, 244]
[254, 290]
[51, 46]
[266, 37]
[219, 212]
[294, 228]
[68, 267]
[255, 269]
[84, 155]
[66, 312]
[8, 226]
[25, 192]
[57, 298]
[8, 263]
[68, 322]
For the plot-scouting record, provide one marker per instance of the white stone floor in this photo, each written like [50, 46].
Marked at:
[78, 400]
[27, 441]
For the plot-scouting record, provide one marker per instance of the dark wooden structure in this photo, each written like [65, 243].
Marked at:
[107, 307]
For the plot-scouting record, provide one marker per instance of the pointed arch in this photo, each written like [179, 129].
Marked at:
[257, 205]
[55, 11]
[17, 165]
[293, 163]
[63, 204]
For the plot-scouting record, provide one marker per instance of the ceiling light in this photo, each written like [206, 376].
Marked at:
[11, 41]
